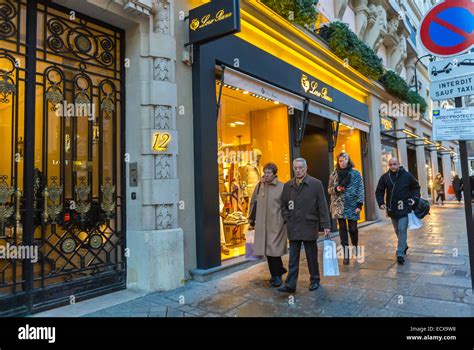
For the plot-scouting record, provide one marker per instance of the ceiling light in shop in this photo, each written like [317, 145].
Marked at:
[232, 125]
[245, 92]
[276, 102]
[239, 123]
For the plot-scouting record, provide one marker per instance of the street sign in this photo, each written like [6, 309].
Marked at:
[453, 124]
[448, 28]
[451, 67]
[454, 87]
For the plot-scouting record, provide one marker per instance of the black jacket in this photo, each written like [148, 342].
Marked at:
[396, 190]
[304, 209]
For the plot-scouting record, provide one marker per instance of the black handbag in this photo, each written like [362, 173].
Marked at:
[253, 212]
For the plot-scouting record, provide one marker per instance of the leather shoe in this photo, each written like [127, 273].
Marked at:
[313, 286]
[400, 260]
[286, 289]
[277, 282]
[406, 250]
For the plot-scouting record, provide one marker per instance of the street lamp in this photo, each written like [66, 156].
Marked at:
[416, 63]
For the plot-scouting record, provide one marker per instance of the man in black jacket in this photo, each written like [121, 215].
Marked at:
[304, 210]
[397, 192]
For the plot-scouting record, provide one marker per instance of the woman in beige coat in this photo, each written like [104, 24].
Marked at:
[270, 231]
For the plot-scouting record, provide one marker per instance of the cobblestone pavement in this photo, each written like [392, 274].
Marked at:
[435, 281]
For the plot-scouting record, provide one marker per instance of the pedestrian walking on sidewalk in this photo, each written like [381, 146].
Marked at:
[304, 210]
[346, 191]
[457, 187]
[397, 191]
[270, 231]
[439, 187]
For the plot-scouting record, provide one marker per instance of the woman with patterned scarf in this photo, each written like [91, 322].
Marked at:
[346, 191]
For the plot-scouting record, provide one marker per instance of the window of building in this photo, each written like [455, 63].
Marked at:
[252, 131]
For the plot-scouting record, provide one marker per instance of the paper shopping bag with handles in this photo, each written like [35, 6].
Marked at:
[330, 264]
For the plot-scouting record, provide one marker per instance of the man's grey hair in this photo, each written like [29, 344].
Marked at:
[301, 160]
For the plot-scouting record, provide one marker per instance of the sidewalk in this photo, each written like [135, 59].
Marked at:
[435, 281]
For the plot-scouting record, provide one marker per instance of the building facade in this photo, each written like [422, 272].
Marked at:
[149, 185]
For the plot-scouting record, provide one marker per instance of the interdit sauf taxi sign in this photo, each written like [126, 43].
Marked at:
[453, 124]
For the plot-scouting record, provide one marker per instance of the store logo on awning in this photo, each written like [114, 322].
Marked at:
[214, 20]
[311, 86]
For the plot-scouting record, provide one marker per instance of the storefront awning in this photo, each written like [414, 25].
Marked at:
[256, 86]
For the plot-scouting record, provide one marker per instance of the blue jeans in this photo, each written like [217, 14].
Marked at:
[401, 225]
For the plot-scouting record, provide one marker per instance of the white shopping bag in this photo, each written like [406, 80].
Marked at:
[414, 222]
[330, 264]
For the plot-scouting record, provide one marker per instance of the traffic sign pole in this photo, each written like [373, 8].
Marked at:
[467, 198]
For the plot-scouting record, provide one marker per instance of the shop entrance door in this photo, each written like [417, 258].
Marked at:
[61, 127]
[314, 148]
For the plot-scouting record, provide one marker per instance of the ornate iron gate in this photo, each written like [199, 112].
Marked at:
[61, 154]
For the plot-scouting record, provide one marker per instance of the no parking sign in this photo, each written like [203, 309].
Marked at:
[448, 28]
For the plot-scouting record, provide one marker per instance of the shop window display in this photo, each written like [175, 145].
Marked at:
[252, 131]
[388, 152]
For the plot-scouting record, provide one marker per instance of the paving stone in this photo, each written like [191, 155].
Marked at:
[431, 307]
[254, 308]
[435, 291]
[221, 303]
[375, 298]
[420, 268]
[446, 281]
[374, 312]
[340, 309]
[174, 313]
[378, 264]
[444, 260]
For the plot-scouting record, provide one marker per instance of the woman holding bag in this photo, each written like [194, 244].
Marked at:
[270, 231]
[346, 191]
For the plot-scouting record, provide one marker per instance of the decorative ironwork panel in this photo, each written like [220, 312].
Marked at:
[77, 158]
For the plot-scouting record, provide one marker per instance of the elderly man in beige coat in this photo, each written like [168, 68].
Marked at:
[270, 231]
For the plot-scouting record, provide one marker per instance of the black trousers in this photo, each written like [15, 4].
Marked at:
[275, 265]
[353, 232]
[459, 195]
[440, 195]
[311, 250]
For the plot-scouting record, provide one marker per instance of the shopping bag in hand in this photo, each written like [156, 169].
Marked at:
[330, 264]
[249, 242]
[414, 222]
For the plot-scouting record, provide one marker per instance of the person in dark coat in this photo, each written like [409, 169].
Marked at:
[397, 191]
[304, 211]
[457, 187]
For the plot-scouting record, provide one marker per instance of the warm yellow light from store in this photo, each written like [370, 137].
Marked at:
[246, 92]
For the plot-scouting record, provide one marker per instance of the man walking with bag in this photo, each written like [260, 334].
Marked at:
[397, 192]
[304, 210]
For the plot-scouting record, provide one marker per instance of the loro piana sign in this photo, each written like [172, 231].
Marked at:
[214, 20]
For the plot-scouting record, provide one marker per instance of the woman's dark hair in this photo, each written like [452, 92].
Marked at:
[350, 163]
[272, 167]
